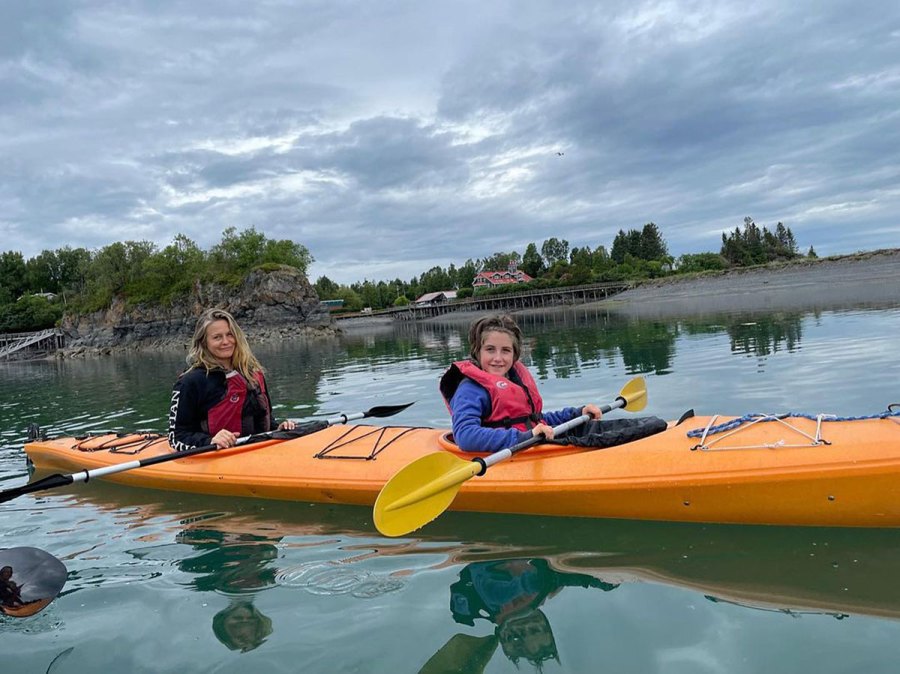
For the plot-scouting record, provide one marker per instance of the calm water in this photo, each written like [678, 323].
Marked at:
[166, 582]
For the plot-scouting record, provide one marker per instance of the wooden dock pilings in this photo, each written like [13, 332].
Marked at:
[531, 299]
[42, 341]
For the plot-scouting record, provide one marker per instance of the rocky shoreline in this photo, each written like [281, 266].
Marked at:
[271, 304]
[175, 342]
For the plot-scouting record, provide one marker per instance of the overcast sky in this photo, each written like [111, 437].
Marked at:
[394, 135]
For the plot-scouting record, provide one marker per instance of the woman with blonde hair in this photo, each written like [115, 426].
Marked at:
[223, 394]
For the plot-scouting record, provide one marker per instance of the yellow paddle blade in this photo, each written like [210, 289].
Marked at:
[420, 492]
[425, 488]
[635, 395]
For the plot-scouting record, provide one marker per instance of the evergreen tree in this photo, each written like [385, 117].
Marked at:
[758, 246]
[532, 262]
[645, 244]
[633, 243]
[791, 243]
[781, 235]
[755, 251]
[619, 247]
[652, 246]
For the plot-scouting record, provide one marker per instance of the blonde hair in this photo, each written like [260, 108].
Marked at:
[494, 323]
[199, 355]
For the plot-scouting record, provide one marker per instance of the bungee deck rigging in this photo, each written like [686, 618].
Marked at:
[382, 437]
[734, 426]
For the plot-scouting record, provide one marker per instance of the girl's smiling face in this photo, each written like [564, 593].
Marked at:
[497, 354]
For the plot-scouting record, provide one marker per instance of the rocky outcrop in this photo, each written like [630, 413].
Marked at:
[267, 305]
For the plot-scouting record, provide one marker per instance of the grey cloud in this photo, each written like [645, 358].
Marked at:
[411, 135]
[397, 153]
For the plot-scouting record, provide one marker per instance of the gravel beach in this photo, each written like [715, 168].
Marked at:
[853, 281]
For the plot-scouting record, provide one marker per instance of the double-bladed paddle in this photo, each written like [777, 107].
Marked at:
[421, 491]
[59, 480]
[29, 580]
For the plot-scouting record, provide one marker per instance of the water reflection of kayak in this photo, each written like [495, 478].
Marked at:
[824, 570]
[793, 471]
[26, 609]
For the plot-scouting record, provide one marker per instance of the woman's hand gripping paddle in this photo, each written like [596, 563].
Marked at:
[421, 491]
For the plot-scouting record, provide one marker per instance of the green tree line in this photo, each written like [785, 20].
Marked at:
[759, 246]
[634, 254]
[138, 271]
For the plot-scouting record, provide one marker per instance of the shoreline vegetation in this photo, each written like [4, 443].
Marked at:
[134, 279]
[131, 295]
[862, 279]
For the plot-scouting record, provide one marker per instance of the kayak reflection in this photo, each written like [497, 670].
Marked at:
[509, 594]
[232, 563]
[238, 565]
[30, 579]
[786, 570]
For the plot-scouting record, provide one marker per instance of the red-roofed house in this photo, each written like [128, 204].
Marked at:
[489, 279]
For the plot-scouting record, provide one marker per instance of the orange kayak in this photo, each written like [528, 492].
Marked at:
[789, 471]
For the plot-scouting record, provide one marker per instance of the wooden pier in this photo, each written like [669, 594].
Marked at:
[43, 341]
[531, 299]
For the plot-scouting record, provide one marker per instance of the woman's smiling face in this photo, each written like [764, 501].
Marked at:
[220, 341]
[497, 354]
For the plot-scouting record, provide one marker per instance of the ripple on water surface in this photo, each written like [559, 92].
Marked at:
[334, 578]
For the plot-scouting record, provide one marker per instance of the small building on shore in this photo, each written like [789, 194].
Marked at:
[332, 305]
[433, 299]
[490, 279]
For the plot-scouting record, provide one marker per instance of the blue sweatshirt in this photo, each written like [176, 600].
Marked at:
[471, 403]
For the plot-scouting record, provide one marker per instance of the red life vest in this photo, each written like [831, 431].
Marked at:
[515, 401]
[243, 409]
